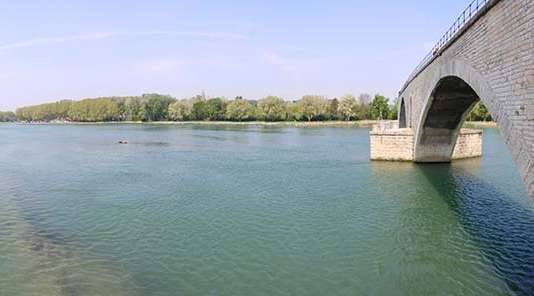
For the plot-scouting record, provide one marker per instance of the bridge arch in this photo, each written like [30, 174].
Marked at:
[451, 101]
[454, 89]
[493, 57]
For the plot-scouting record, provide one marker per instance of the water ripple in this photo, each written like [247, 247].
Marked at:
[193, 211]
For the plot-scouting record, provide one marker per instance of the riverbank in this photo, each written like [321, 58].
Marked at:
[298, 124]
[480, 124]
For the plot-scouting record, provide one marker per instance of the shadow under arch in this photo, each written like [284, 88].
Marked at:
[450, 102]
[402, 114]
[502, 227]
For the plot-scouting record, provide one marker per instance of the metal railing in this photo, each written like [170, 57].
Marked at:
[467, 15]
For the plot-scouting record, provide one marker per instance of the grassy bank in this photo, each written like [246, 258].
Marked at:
[480, 124]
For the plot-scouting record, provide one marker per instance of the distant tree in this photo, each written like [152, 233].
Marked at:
[80, 110]
[333, 109]
[313, 107]
[199, 110]
[134, 109]
[394, 110]
[157, 106]
[349, 107]
[45, 112]
[272, 109]
[379, 108]
[180, 110]
[479, 113]
[239, 110]
[121, 106]
[364, 112]
[293, 111]
[62, 109]
[253, 102]
[215, 109]
[7, 116]
[21, 114]
[94, 110]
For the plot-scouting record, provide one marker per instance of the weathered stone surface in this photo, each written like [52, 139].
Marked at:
[392, 144]
[491, 60]
[398, 144]
[468, 144]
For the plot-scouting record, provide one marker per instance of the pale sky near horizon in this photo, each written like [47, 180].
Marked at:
[52, 50]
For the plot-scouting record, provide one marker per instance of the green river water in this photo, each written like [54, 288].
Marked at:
[190, 210]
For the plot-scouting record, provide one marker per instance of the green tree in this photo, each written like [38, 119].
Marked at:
[121, 105]
[479, 113]
[333, 109]
[134, 109]
[272, 109]
[239, 110]
[215, 109]
[363, 112]
[379, 108]
[293, 111]
[180, 110]
[394, 110]
[199, 110]
[313, 107]
[45, 112]
[349, 107]
[157, 106]
[94, 110]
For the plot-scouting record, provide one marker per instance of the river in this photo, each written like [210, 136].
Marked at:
[207, 210]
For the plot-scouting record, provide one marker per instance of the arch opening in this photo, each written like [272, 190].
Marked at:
[402, 114]
[451, 101]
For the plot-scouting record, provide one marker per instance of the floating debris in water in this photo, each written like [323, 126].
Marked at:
[123, 141]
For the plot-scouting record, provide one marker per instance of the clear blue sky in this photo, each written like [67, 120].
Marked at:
[52, 50]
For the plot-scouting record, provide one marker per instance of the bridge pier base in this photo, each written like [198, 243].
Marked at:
[397, 144]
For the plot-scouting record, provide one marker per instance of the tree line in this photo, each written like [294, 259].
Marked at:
[156, 107]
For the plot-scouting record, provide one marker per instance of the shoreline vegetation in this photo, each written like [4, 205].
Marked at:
[279, 124]
[154, 108]
[359, 123]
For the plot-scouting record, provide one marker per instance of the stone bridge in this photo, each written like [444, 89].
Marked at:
[487, 55]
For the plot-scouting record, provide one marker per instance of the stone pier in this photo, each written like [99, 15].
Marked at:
[397, 144]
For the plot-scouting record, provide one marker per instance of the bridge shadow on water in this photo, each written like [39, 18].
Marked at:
[502, 227]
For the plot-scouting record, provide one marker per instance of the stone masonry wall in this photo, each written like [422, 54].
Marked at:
[398, 144]
[392, 144]
[468, 145]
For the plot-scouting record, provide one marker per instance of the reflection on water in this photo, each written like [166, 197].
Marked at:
[503, 229]
[253, 211]
[38, 262]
